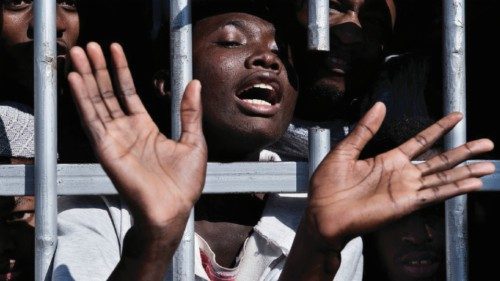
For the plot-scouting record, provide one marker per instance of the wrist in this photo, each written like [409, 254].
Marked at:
[312, 257]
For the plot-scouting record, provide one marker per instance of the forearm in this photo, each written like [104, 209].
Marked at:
[310, 259]
[148, 253]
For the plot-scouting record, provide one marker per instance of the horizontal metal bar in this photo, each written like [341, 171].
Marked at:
[90, 179]
[261, 177]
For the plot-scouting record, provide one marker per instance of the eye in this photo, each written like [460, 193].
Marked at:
[228, 44]
[336, 7]
[22, 216]
[17, 5]
[69, 5]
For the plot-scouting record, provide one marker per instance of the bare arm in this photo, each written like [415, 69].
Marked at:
[349, 197]
[160, 179]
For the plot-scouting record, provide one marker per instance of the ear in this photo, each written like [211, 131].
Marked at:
[161, 81]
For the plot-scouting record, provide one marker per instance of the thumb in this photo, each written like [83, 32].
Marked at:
[191, 115]
[364, 131]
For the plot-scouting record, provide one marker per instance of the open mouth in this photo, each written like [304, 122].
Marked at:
[421, 264]
[260, 96]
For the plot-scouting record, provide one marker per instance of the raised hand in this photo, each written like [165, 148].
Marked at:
[349, 197]
[159, 178]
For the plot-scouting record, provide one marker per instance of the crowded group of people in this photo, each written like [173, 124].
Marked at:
[370, 213]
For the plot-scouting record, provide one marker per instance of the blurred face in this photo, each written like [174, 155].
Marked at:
[17, 222]
[358, 29]
[412, 249]
[17, 35]
[247, 96]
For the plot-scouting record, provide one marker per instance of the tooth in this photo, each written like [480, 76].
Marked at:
[258, 102]
[263, 86]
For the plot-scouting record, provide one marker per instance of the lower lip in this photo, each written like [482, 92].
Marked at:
[258, 109]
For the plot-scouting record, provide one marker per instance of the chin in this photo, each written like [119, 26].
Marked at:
[328, 89]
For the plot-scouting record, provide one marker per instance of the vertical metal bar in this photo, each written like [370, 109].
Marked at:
[319, 146]
[455, 92]
[182, 73]
[319, 25]
[45, 83]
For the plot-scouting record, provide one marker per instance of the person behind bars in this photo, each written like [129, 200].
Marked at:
[17, 218]
[17, 71]
[333, 84]
[247, 102]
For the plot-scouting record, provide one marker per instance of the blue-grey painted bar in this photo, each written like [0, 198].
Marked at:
[318, 25]
[260, 177]
[45, 180]
[454, 71]
[181, 74]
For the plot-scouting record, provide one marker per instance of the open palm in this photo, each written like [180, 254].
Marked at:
[159, 178]
[349, 197]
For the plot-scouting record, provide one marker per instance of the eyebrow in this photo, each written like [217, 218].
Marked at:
[243, 25]
[236, 23]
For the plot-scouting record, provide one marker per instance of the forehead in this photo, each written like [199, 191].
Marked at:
[241, 21]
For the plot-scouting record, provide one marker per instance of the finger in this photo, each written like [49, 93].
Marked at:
[191, 115]
[437, 194]
[82, 66]
[354, 143]
[453, 157]
[103, 79]
[425, 139]
[475, 170]
[84, 105]
[125, 82]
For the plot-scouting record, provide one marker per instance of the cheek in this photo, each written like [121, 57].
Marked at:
[219, 75]
[73, 30]
[15, 29]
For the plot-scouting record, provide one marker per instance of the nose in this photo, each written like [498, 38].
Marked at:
[347, 33]
[264, 59]
[420, 233]
[60, 26]
[345, 25]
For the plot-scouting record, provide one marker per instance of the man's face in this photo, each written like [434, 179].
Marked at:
[412, 249]
[17, 222]
[247, 95]
[358, 29]
[17, 35]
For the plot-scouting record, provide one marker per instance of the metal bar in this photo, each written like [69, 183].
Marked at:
[454, 70]
[263, 177]
[319, 146]
[319, 25]
[45, 84]
[182, 73]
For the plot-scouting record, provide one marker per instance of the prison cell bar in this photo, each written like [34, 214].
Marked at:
[263, 177]
[318, 25]
[181, 74]
[454, 71]
[319, 146]
[45, 91]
